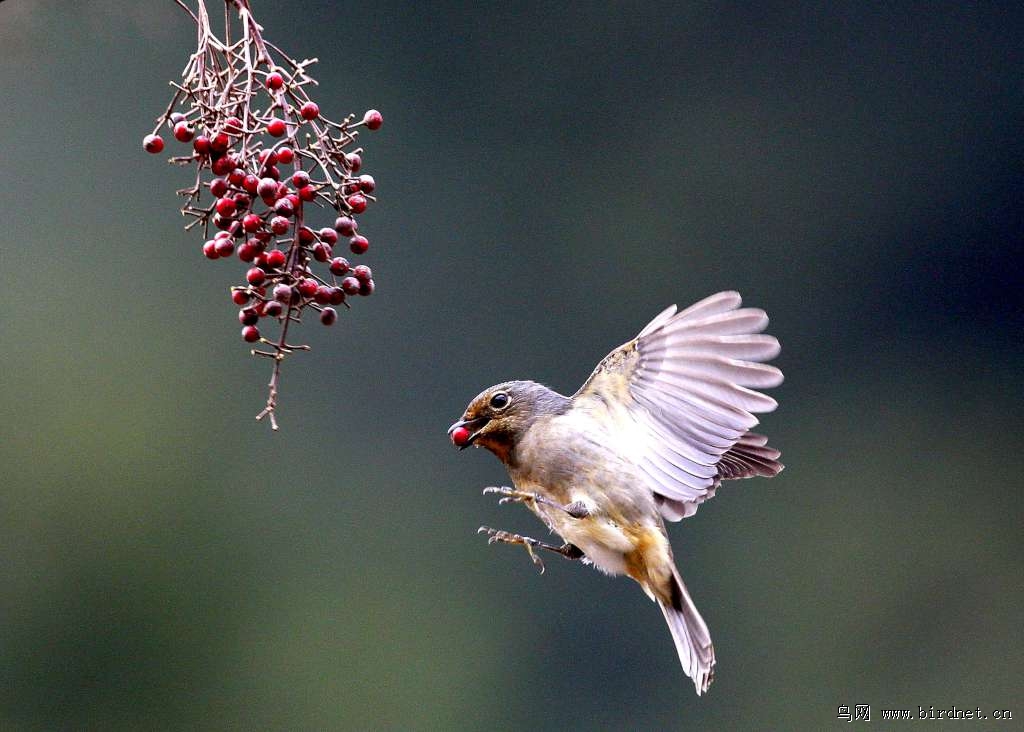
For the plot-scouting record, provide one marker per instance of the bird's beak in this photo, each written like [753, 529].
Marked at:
[473, 425]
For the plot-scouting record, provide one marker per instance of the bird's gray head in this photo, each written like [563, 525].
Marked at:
[500, 415]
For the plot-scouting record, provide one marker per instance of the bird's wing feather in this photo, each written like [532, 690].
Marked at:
[681, 397]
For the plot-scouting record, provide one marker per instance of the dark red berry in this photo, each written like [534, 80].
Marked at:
[322, 296]
[306, 235]
[359, 244]
[267, 189]
[223, 166]
[321, 252]
[460, 436]
[240, 297]
[255, 276]
[276, 258]
[201, 145]
[328, 316]
[242, 200]
[366, 288]
[226, 206]
[346, 225]
[339, 266]
[300, 178]
[210, 249]
[219, 187]
[236, 176]
[233, 126]
[307, 193]
[250, 334]
[309, 110]
[222, 223]
[276, 127]
[362, 273]
[328, 235]
[274, 80]
[307, 287]
[247, 252]
[153, 144]
[373, 119]
[337, 296]
[350, 285]
[273, 308]
[251, 222]
[176, 117]
[225, 247]
[284, 207]
[220, 142]
[294, 199]
[355, 161]
[285, 155]
[183, 132]
[367, 183]
[357, 203]
[251, 183]
[248, 316]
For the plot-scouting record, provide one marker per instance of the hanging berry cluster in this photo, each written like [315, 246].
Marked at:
[269, 161]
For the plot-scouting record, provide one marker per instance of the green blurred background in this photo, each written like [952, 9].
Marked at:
[550, 176]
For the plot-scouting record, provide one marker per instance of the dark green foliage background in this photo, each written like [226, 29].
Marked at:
[551, 176]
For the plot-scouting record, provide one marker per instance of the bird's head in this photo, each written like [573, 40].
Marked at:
[500, 415]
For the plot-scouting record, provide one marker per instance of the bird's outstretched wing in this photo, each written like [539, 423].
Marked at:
[679, 397]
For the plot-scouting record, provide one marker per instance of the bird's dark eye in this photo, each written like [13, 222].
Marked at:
[500, 400]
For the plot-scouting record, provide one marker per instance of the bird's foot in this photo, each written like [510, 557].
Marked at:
[569, 551]
[577, 509]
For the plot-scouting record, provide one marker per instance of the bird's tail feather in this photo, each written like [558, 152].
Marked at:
[690, 633]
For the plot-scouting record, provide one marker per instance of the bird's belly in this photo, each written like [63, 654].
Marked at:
[603, 542]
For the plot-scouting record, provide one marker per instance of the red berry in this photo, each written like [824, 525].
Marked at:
[233, 125]
[300, 178]
[357, 203]
[328, 235]
[337, 296]
[294, 200]
[273, 308]
[220, 142]
[251, 222]
[176, 117]
[283, 293]
[306, 235]
[321, 252]
[275, 258]
[247, 252]
[225, 247]
[250, 183]
[367, 183]
[339, 266]
[362, 273]
[307, 287]
[221, 235]
[255, 276]
[355, 162]
[250, 334]
[236, 176]
[153, 143]
[226, 206]
[373, 119]
[223, 166]
[210, 249]
[328, 316]
[366, 288]
[222, 223]
[285, 155]
[267, 189]
[242, 201]
[359, 244]
[460, 436]
[346, 225]
[279, 225]
[183, 132]
[219, 187]
[240, 297]
[309, 110]
[284, 207]
[276, 127]
[350, 285]
[307, 193]
[274, 80]
[322, 296]
[248, 316]
[201, 145]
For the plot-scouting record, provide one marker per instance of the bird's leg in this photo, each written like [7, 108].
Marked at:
[569, 551]
[576, 509]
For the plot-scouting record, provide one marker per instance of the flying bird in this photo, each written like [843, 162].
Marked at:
[650, 436]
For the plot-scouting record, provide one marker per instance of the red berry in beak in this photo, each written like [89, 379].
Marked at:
[460, 436]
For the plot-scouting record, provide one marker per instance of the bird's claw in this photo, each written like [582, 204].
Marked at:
[577, 509]
[507, 537]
